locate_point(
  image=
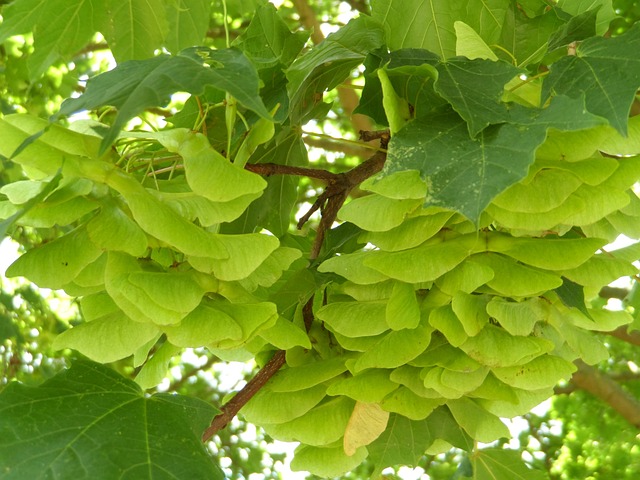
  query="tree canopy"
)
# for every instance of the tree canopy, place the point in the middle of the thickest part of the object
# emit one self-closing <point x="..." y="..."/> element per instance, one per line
<point x="403" y="213"/>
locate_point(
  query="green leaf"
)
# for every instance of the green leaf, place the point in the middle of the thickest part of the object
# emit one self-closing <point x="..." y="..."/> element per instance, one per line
<point x="402" y="443"/>
<point x="395" y="348"/>
<point x="604" y="8"/>
<point x="474" y="88"/>
<point x="106" y="339"/>
<point x="205" y="325"/>
<point x="469" y="44"/>
<point x="60" y="28"/>
<point x="267" y="40"/>
<point x="502" y="464"/>
<point x="246" y="254"/>
<point x="188" y="21"/>
<point x="134" y="29"/>
<point x="572" y="295"/>
<point x="267" y="407"/>
<point x="396" y="108"/>
<point x="402" y="31"/>
<point x="56" y="263"/>
<point x="402" y="309"/>
<point x="355" y="319"/>
<point x="368" y="386"/>
<point x="485" y="166"/>
<point x="495" y="347"/>
<point x="112" y="229"/>
<point x="424" y="263"/>
<point x="320" y="426"/>
<point x="326" y="461"/>
<point x="325" y="66"/>
<point x="136" y="85"/>
<point x="105" y="416"/>
<point x="155" y="369"/>
<point x="542" y="372"/>
<point x="476" y="421"/>
<point x="589" y="73"/>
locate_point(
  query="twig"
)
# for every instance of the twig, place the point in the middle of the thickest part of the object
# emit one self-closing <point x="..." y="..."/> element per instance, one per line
<point x="601" y="386"/>
<point x="233" y="406"/>
<point x="268" y="169"/>
<point x="194" y="371"/>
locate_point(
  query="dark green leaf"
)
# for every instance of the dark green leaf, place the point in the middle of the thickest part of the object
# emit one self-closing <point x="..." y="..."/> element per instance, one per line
<point x="526" y="38"/>
<point x="474" y="89"/>
<point x="412" y="75"/>
<point x="268" y="41"/>
<point x="88" y="422"/>
<point x="402" y="443"/>
<point x="606" y="71"/>
<point x="577" y="28"/>
<point x="330" y="63"/>
<point x="572" y="295"/>
<point x="134" y="29"/>
<point x="135" y="86"/>
<point x="61" y="28"/>
<point x="496" y="464"/>
<point x="188" y="23"/>
<point x="465" y="174"/>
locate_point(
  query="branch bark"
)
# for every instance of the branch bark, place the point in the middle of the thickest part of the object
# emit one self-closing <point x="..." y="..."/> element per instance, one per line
<point x="630" y="337"/>
<point x="591" y="380"/>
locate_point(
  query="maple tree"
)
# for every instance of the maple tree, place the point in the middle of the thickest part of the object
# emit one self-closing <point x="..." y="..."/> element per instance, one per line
<point x="454" y="274"/>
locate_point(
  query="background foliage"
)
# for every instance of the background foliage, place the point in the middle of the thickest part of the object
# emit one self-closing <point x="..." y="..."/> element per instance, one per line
<point x="162" y="162"/>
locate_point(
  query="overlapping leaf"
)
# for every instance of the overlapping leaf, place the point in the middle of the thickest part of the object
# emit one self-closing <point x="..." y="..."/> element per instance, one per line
<point x="606" y="71"/>
<point x="465" y="174"/>
<point x="136" y="85"/>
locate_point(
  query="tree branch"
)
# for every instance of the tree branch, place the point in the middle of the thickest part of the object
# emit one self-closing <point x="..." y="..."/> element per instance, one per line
<point x="233" y="406"/>
<point x="601" y="386"/>
<point x="630" y="337"/>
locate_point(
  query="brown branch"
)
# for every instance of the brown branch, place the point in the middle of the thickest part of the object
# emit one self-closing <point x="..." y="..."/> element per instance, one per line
<point x="591" y="380"/>
<point x="268" y="169"/>
<point x="233" y="406"/>
<point x="630" y="337"/>
<point x="613" y="292"/>
<point x="334" y="196"/>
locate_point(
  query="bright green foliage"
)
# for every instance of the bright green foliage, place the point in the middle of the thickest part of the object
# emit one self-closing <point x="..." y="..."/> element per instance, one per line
<point x="454" y="292"/>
